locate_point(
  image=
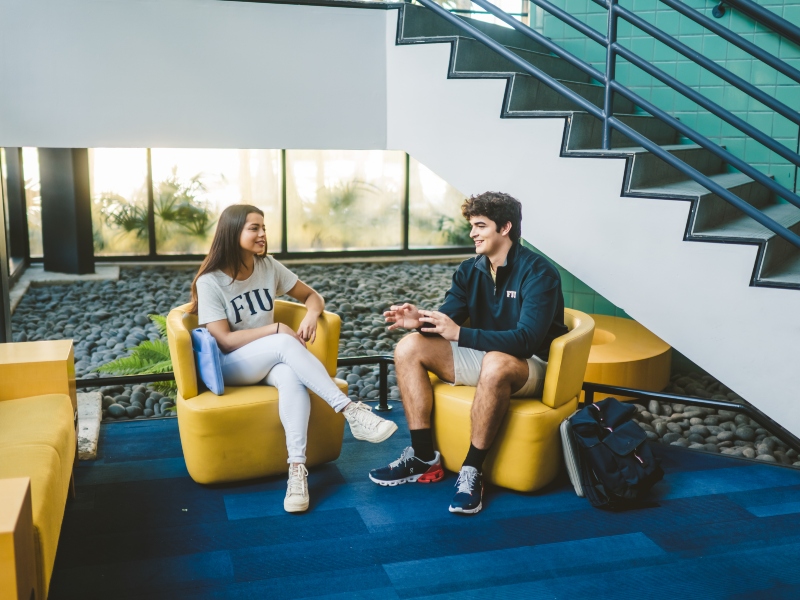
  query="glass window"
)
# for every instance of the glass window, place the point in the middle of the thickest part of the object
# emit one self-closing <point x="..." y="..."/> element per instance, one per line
<point x="118" y="184"/>
<point x="33" y="199"/>
<point x="191" y="187"/>
<point x="344" y="199"/>
<point x="434" y="210"/>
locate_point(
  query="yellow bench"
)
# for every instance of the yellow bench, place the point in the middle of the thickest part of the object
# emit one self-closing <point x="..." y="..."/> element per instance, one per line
<point x="37" y="441"/>
<point x="239" y="435"/>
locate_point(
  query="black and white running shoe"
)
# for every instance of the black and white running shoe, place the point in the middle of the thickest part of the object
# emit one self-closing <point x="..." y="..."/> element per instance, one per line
<point x="407" y="469"/>
<point x="469" y="493"/>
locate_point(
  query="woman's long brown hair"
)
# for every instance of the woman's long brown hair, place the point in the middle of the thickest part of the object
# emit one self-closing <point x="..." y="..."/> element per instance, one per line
<point x="226" y="253"/>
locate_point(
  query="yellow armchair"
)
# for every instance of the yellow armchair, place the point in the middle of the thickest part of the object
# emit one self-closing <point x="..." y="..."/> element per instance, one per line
<point x="526" y="454"/>
<point x="239" y="435"/>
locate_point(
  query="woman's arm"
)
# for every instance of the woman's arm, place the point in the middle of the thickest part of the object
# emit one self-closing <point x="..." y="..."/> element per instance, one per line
<point x="315" y="304"/>
<point x="228" y="340"/>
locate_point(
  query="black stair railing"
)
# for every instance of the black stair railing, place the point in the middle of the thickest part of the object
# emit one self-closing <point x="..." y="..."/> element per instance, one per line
<point x="762" y="15"/>
<point x="612" y="86"/>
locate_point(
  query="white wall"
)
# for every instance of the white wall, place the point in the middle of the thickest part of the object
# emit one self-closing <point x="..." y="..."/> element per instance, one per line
<point x="190" y="73"/>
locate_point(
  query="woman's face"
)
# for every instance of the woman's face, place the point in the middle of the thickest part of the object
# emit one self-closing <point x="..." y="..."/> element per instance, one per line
<point x="254" y="235"/>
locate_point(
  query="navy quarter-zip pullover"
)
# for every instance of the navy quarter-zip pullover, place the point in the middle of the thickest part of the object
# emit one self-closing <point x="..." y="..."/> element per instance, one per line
<point x="520" y="313"/>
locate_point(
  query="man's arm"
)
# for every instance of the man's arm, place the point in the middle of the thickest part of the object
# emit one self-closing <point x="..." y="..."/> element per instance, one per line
<point x="455" y="300"/>
<point x="539" y="303"/>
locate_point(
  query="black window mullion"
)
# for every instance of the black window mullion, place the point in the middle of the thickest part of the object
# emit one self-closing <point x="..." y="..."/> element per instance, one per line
<point x="151" y="214"/>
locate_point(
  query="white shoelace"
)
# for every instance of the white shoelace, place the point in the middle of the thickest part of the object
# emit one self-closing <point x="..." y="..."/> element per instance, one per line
<point x="297" y="480"/>
<point x="407" y="454"/>
<point x="363" y="415"/>
<point x="466" y="480"/>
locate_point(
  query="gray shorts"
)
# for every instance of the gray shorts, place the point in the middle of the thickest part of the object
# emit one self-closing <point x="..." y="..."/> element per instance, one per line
<point x="467" y="367"/>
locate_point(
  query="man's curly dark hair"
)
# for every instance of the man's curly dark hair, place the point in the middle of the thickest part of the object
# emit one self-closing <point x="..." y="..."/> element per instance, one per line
<point x="500" y="208"/>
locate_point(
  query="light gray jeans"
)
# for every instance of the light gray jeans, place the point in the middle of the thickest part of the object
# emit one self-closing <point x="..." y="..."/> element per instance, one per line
<point x="281" y="361"/>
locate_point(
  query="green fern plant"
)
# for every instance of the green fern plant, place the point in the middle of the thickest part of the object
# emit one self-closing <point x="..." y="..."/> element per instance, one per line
<point x="148" y="358"/>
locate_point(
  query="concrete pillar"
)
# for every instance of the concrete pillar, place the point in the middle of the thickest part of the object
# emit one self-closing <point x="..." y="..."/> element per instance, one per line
<point x="66" y="210"/>
<point x="17" y="216"/>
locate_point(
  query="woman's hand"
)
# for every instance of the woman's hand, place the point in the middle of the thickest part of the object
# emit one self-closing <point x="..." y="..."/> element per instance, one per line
<point x="285" y="329"/>
<point x="308" y="327"/>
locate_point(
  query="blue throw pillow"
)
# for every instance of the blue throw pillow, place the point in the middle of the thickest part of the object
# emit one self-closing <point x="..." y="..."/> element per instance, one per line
<point x="208" y="359"/>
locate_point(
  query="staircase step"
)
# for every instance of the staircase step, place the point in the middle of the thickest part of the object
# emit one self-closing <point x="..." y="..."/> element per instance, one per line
<point x="528" y="97"/>
<point x="471" y="56"/>
<point x="586" y="132"/>
<point x="711" y="211"/>
<point x="420" y="25"/>
<point x="745" y="228"/>
<point x="780" y="261"/>
<point x="648" y="171"/>
<point x="784" y="274"/>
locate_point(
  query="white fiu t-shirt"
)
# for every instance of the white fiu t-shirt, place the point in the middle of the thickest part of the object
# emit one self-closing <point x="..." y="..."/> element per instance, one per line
<point x="245" y="304"/>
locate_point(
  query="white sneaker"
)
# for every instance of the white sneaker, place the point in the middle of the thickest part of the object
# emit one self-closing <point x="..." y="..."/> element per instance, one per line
<point x="365" y="425"/>
<point x="296" y="490"/>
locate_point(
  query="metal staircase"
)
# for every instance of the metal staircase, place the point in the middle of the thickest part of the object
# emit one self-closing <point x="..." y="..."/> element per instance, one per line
<point x="727" y="205"/>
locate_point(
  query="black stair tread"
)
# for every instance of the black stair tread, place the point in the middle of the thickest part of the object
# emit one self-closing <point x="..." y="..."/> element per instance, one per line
<point x="536" y="58"/>
<point x="690" y="187"/>
<point x="421" y="24"/>
<point x="590" y="91"/>
<point x="585" y="134"/>
<point x="785" y="274"/>
<point x="746" y="228"/>
<point x="631" y="150"/>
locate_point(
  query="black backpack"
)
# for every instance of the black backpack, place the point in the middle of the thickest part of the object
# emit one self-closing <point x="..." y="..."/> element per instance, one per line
<point x="607" y="455"/>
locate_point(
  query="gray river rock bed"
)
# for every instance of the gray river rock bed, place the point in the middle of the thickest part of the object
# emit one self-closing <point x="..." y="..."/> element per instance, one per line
<point x="105" y="319"/>
<point x="717" y="431"/>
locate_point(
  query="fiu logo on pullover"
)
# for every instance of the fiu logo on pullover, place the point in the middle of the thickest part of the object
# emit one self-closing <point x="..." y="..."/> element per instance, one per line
<point x="246" y="297"/>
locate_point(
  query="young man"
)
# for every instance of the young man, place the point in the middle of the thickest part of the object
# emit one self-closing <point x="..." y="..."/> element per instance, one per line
<point x="512" y="298"/>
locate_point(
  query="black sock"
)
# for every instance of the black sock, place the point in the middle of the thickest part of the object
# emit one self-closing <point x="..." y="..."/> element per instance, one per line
<point x="475" y="457"/>
<point x="422" y="443"/>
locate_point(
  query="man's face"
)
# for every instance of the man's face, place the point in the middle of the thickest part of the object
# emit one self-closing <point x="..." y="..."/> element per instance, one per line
<point x="485" y="235"/>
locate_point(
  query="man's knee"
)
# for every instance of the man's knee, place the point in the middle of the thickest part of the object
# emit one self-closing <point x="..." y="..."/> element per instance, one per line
<point x="498" y="368"/>
<point x="410" y="348"/>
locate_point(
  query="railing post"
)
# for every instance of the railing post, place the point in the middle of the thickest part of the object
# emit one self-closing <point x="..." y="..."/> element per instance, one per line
<point x="383" y="405"/>
<point x="611" y="62"/>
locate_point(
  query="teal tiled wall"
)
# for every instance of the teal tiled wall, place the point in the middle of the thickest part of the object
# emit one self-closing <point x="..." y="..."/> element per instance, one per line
<point x="713" y="47"/>
<point x="580" y="296"/>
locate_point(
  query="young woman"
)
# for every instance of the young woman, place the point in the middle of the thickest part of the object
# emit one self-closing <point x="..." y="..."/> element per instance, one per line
<point x="233" y="295"/>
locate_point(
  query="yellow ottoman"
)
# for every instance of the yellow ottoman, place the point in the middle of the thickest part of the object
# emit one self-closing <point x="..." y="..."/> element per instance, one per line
<point x="239" y="435"/>
<point x="626" y="354"/>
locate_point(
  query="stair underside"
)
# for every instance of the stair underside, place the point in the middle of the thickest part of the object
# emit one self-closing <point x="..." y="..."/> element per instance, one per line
<point x="711" y="218"/>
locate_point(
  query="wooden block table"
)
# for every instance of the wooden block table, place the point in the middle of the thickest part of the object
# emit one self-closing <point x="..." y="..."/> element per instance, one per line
<point x="17" y="559"/>
<point x="36" y="368"/>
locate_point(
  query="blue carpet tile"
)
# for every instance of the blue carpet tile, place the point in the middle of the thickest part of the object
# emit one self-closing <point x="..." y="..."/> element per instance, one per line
<point x="141" y="528"/>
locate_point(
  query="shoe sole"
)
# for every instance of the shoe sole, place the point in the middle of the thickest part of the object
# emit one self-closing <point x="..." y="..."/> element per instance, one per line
<point x="467" y="511"/>
<point x="387" y="434"/>
<point x="394" y="482"/>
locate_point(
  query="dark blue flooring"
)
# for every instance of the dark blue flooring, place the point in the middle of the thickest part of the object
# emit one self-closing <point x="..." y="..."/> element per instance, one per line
<point x="141" y="528"/>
